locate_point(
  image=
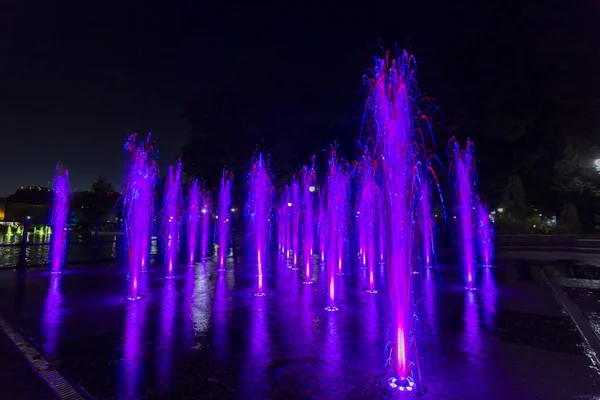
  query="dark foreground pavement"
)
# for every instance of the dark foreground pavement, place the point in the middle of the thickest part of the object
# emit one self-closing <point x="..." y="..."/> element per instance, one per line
<point x="204" y="335"/>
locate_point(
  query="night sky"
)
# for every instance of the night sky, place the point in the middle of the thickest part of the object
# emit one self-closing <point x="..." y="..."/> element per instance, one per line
<point x="75" y="79"/>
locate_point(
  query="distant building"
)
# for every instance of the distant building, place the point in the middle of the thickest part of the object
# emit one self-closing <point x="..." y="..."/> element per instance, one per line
<point x="2" y="208"/>
<point x="31" y="202"/>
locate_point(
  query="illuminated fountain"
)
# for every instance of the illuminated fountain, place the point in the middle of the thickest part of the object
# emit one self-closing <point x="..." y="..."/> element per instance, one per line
<point x="464" y="172"/>
<point x="206" y="214"/>
<point x="258" y="216"/>
<point x="365" y="217"/>
<point x="392" y="106"/>
<point x="322" y="226"/>
<point x="308" y="227"/>
<point x="296" y="210"/>
<point x="193" y="219"/>
<point x="337" y="207"/>
<point x="485" y="235"/>
<point x="172" y="217"/>
<point x="138" y="207"/>
<point x="381" y="226"/>
<point x="60" y="213"/>
<point x="223" y="216"/>
<point x="426" y="218"/>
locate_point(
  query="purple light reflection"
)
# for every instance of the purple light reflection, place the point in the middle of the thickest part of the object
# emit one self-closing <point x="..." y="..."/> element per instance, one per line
<point x="168" y="303"/>
<point x="134" y="361"/>
<point x="53" y="315"/>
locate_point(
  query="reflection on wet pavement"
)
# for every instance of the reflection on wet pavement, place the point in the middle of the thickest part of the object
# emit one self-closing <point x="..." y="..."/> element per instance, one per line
<point x="205" y="335"/>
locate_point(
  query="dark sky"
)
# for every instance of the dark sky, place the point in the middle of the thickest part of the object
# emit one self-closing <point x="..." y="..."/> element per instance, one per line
<point x="76" y="78"/>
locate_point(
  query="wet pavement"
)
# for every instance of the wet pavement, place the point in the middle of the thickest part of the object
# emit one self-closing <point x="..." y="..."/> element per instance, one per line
<point x="204" y="335"/>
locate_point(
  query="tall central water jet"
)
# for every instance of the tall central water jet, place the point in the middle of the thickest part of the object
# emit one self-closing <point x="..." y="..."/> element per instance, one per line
<point x="138" y="207"/>
<point x="464" y="171"/>
<point x="308" y="228"/>
<point x="223" y="217"/>
<point x="172" y="217"/>
<point x="258" y="215"/>
<point x="392" y="105"/>
<point x="193" y="219"/>
<point x="60" y="213"/>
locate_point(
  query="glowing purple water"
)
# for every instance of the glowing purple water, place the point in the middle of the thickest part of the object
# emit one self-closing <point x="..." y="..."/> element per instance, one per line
<point x="138" y="207"/>
<point x="308" y="227"/>
<point x="172" y="216"/>
<point x="464" y="170"/>
<point x="223" y="216"/>
<point x="485" y="235"/>
<point x="337" y="208"/>
<point x="60" y="213"/>
<point x="193" y="219"/>
<point x="395" y="136"/>
<point x="206" y="215"/>
<point x="322" y="226"/>
<point x="258" y="215"/>
<point x="426" y="218"/>
<point x="366" y="217"/>
<point x="296" y="210"/>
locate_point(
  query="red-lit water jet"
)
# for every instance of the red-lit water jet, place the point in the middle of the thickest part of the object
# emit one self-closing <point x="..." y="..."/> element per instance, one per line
<point x="60" y="213"/>
<point x="138" y="207"/>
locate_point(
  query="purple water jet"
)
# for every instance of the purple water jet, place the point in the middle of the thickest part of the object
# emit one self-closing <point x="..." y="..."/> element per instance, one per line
<point x="296" y="211"/>
<point x="426" y="218"/>
<point x="337" y="207"/>
<point x="308" y="227"/>
<point x="60" y="213"/>
<point x="223" y="217"/>
<point x="322" y="226"/>
<point x="464" y="172"/>
<point x="366" y="217"/>
<point x="392" y="105"/>
<point x="172" y="216"/>
<point x="485" y="235"/>
<point x="206" y="215"/>
<point x="193" y="219"/>
<point x="258" y="216"/>
<point x="138" y="207"/>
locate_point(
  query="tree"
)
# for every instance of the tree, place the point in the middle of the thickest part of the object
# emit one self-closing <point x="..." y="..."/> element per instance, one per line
<point x="102" y="186"/>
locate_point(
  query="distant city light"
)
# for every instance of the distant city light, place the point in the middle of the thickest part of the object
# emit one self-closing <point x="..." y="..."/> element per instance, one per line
<point x="311" y="189"/>
<point x="233" y="209"/>
<point x="500" y="210"/>
<point x="204" y="211"/>
<point x="289" y="204"/>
